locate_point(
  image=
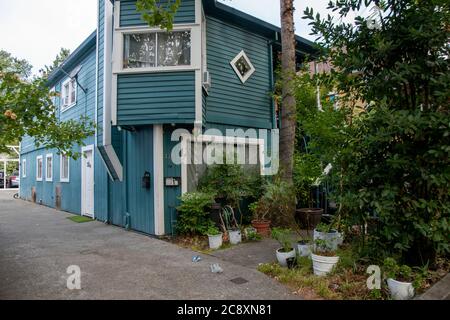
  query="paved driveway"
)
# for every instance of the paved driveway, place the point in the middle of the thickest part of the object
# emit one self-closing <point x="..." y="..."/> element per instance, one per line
<point x="37" y="244"/>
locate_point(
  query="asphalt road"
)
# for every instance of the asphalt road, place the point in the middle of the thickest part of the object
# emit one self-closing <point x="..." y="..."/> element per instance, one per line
<point x="38" y="244"/>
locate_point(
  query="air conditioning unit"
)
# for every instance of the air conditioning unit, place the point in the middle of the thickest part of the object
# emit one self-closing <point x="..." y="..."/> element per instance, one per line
<point x="206" y="80"/>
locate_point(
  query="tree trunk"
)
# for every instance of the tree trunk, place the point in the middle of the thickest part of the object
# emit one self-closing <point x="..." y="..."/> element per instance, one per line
<point x="288" y="105"/>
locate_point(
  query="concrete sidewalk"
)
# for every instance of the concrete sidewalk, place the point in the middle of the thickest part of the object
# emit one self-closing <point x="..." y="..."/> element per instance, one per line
<point x="38" y="244"/>
<point x="440" y="291"/>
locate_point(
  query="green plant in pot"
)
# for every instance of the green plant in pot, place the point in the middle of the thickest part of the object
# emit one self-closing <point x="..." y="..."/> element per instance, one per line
<point x="284" y="237"/>
<point x="401" y="280"/>
<point x="215" y="237"/>
<point x="324" y="257"/>
<point x="304" y="247"/>
<point x="326" y="233"/>
<point x="307" y="171"/>
<point x="260" y="221"/>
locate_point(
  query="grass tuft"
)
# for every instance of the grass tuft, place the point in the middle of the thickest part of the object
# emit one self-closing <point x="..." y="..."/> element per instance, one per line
<point x="80" y="219"/>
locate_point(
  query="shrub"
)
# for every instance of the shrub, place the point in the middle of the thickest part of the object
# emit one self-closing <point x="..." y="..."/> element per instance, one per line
<point x="193" y="213"/>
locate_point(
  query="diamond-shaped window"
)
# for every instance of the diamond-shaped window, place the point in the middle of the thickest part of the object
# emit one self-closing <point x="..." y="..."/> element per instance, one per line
<point x="242" y="66"/>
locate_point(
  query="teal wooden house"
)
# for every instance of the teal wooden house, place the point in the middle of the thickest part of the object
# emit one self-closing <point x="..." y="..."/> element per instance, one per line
<point x="213" y="72"/>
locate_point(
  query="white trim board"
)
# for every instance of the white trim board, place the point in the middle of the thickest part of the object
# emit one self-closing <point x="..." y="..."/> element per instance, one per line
<point x="158" y="176"/>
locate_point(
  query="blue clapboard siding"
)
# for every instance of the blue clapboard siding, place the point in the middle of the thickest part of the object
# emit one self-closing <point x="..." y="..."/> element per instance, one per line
<point x="130" y="17"/>
<point x="85" y="106"/>
<point x="229" y="101"/>
<point x="128" y="197"/>
<point x="156" y="98"/>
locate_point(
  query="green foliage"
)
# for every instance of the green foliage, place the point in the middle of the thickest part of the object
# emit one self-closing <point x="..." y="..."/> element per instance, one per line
<point x="284" y="237"/>
<point x="26" y="108"/>
<point x="230" y="183"/>
<point x="193" y="213"/>
<point x="156" y="14"/>
<point x="212" y="231"/>
<point x="402" y="273"/>
<point x="307" y="170"/>
<point x="276" y="203"/>
<point x="59" y="59"/>
<point x="394" y="159"/>
<point x="10" y="64"/>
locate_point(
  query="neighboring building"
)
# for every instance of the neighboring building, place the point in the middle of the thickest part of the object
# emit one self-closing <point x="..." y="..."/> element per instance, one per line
<point x="214" y="71"/>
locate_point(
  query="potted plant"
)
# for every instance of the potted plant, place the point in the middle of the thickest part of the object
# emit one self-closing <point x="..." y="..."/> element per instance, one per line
<point x="324" y="258"/>
<point x="283" y="236"/>
<point x="307" y="173"/>
<point x="304" y="247"/>
<point x="260" y="222"/>
<point x="230" y="224"/>
<point x="401" y="280"/>
<point x="328" y="234"/>
<point x="214" y="237"/>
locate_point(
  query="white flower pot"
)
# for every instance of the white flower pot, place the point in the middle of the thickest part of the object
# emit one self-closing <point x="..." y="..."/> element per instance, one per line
<point x="400" y="290"/>
<point x="323" y="265"/>
<point x="283" y="256"/>
<point x="235" y="236"/>
<point x="332" y="239"/>
<point x="215" y="242"/>
<point x="304" y="250"/>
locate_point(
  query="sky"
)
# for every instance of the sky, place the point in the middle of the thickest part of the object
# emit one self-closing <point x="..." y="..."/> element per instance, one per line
<point x="37" y="30"/>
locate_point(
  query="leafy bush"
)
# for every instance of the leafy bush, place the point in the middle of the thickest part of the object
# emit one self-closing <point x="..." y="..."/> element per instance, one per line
<point x="230" y="183"/>
<point x="394" y="163"/>
<point x="276" y="202"/>
<point x="193" y="213"/>
<point x="212" y="231"/>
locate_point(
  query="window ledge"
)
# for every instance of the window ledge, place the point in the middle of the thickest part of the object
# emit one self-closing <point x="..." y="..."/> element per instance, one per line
<point x="68" y="107"/>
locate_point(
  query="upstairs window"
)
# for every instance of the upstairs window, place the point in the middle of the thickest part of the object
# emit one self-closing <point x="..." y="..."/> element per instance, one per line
<point x="243" y="66"/>
<point x="157" y="49"/>
<point x="69" y="94"/>
<point x="39" y="168"/>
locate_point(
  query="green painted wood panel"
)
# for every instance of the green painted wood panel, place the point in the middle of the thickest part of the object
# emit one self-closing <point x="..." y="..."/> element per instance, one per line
<point x="130" y="17"/>
<point x="128" y="197"/>
<point x="156" y="98"/>
<point x="229" y="100"/>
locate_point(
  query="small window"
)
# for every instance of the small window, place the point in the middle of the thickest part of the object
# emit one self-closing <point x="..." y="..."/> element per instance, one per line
<point x="39" y="168"/>
<point x="24" y="168"/>
<point x="49" y="167"/>
<point x="64" y="168"/>
<point x="243" y="66"/>
<point x="162" y="49"/>
<point x="69" y="94"/>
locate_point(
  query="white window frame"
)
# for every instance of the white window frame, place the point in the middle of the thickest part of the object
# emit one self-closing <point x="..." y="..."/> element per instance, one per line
<point x="119" y="50"/>
<point x="252" y="68"/>
<point x="61" y="171"/>
<point x="47" y="177"/>
<point x="39" y="158"/>
<point x="24" y="168"/>
<point x="66" y="106"/>
<point x="186" y="139"/>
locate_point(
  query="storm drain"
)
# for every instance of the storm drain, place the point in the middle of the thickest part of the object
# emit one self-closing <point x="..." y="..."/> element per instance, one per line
<point x="239" y="281"/>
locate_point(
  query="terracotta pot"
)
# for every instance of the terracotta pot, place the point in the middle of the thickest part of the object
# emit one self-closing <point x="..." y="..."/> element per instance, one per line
<point x="309" y="218"/>
<point x="262" y="227"/>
